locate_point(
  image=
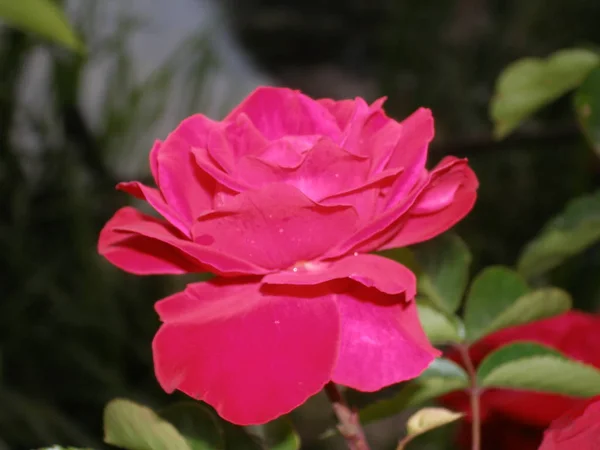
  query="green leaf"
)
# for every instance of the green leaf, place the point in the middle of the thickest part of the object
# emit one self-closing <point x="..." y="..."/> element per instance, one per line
<point x="425" y="420"/>
<point x="404" y="256"/>
<point x="531" y="83"/>
<point x="42" y="17"/>
<point x="534" y="367"/>
<point x="537" y="305"/>
<point x="444" y="270"/>
<point x="197" y="424"/>
<point x="239" y="438"/>
<point x="439" y="327"/>
<point x="441" y="377"/>
<point x="136" y="427"/>
<point x="587" y="108"/>
<point x="572" y="231"/>
<point x="280" y="435"/>
<point x="492" y="292"/>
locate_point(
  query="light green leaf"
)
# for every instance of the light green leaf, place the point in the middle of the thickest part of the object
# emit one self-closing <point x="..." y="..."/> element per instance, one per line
<point x="536" y="305"/>
<point x="136" y="427"/>
<point x="531" y="83"/>
<point x="492" y="292"/>
<point x="439" y="327"/>
<point x="425" y="420"/>
<point x="197" y="424"/>
<point x="442" y="377"/>
<point x="572" y="231"/>
<point x="42" y="17"/>
<point x="587" y="108"/>
<point x="533" y="367"/>
<point x="444" y="270"/>
<point x="280" y="434"/>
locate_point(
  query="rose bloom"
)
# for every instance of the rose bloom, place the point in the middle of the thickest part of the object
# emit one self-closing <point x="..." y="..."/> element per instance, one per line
<point x="578" y="429"/>
<point x="515" y="420"/>
<point x="282" y="200"/>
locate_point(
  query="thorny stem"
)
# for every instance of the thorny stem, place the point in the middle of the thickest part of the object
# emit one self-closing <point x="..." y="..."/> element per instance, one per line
<point x="349" y="424"/>
<point x="474" y="397"/>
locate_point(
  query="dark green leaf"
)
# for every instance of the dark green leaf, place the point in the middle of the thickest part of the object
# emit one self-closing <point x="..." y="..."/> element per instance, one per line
<point x="444" y="270"/>
<point x="569" y="233"/>
<point x="441" y="377"/>
<point x="439" y="327"/>
<point x="42" y="17"/>
<point x="531" y="83"/>
<point x="197" y="424"/>
<point x="280" y="434"/>
<point x="587" y="107"/>
<point x="239" y="438"/>
<point x="492" y="292"/>
<point x="534" y="367"/>
<point x="136" y="427"/>
<point x="404" y="256"/>
<point x="537" y="305"/>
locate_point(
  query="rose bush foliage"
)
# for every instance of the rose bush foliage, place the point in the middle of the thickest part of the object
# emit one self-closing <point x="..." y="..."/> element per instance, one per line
<point x="283" y="200"/>
<point x="517" y="419"/>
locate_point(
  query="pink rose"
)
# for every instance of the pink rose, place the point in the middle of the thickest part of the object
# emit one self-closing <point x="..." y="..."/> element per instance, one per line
<point x="573" y="333"/>
<point x="578" y="429"/>
<point x="283" y="199"/>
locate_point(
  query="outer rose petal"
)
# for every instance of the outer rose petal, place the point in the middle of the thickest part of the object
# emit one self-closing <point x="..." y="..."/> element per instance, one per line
<point x="143" y="245"/>
<point x="375" y="271"/>
<point x="382" y="342"/>
<point x="275" y="227"/>
<point x="447" y="199"/>
<point x="186" y="188"/>
<point x="278" y="112"/>
<point x="578" y="429"/>
<point x="252" y="355"/>
<point x="154" y="160"/>
<point x="157" y="201"/>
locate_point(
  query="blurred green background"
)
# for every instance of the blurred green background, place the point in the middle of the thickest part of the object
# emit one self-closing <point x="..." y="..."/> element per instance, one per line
<point x="75" y="331"/>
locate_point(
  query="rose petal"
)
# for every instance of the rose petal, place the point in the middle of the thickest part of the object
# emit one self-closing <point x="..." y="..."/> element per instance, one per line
<point x="342" y="110"/>
<point x="447" y="199"/>
<point x="367" y="199"/>
<point x="143" y="245"/>
<point x="233" y="140"/>
<point x="207" y="164"/>
<point x="578" y="428"/>
<point x="278" y="112"/>
<point x="382" y="342"/>
<point x="275" y="227"/>
<point x="326" y="169"/>
<point x="154" y="160"/>
<point x="252" y="355"/>
<point x="380" y="230"/>
<point x="375" y="271"/>
<point x="138" y="254"/>
<point x="186" y="188"/>
<point x="157" y="201"/>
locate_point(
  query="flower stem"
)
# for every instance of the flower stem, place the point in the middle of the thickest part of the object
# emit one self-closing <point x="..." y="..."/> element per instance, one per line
<point x="349" y="424"/>
<point x="474" y="392"/>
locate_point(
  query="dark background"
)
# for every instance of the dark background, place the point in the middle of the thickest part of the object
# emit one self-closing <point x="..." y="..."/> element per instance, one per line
<point x="75" y="332"/>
